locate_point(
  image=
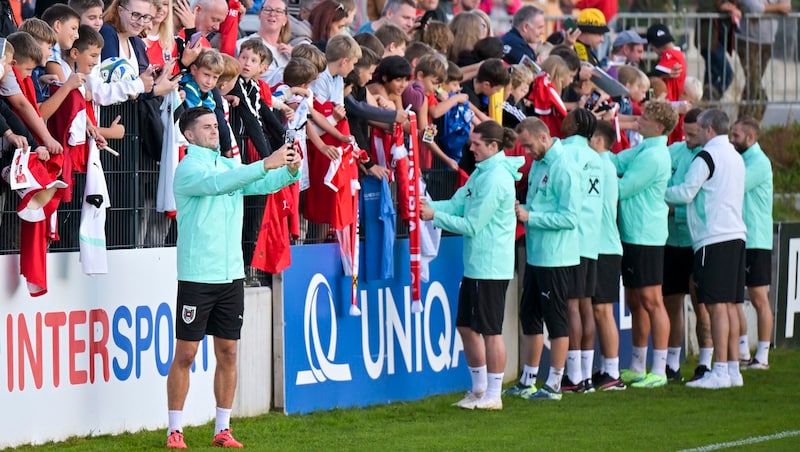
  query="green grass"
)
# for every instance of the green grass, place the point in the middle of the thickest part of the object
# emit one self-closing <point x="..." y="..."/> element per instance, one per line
<point x="670" y="418"/>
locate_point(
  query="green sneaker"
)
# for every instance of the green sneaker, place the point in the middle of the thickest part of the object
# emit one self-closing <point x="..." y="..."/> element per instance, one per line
<point x="545" y="393"/>
<point x="628" y="376"/>
<point x="650" y="381"/>
<point x="518" y="389"/>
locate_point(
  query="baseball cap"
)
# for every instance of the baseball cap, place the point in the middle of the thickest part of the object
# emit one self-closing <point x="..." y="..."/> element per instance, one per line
<point x="592" y="20"/>
<point x="628" y="37"/>
<point x="658" y="35"/>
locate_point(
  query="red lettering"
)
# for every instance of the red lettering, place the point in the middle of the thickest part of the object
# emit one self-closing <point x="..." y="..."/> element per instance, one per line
<point x="56" y="320"/>
<point x="76" y="377"/>
<point x="98" y="319"/>
<point x="26" y="348"/>
<point x="10" y="355"/>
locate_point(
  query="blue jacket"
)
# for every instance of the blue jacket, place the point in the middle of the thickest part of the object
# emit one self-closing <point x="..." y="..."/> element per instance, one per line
<point x="757" y="211"/>
<point x="208" y="193"/>
<point x="483" y="212"/>
<point x="515" y="47"/>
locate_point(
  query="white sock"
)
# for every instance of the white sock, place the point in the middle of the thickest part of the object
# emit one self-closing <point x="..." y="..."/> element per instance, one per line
<point x="611" y="366"/>
<point x="705" y="357"/>
<point x="733" y="368"/>
<point x="638" y="359"/>
<point x="744" y="348"/>
<point x="554" y="378"/>
<point x="175" y="421"/>
<point x="528" y="375"/>
<point x="494" y="385"/>
<point x="587" y="362"/>
<point x="223" y="421"/>
<point x="721" y="369"/>
<point x="762" y="352"/>
<point x="659" y="366"/>
<point x="574" y="371"/>
<point x="674" y="358"/>
<point x="479" y="381"/>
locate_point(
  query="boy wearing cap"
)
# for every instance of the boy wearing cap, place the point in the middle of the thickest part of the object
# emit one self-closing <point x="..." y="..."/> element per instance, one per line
<point x="670" y="58"/>
<point x="592" y="25"/>
<point x="628" y="49"/>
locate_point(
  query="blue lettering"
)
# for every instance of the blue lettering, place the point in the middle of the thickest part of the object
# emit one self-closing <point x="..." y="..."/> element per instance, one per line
<point x="122" y="314"/>
<point x="163" y="312"/>
<point x="143" y="315"/>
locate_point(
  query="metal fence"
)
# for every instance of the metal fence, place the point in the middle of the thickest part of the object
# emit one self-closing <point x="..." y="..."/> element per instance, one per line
<point x="132" y="178"/>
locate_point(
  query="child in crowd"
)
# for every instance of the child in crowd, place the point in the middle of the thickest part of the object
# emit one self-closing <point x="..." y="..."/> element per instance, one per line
<point x="393" y="38"/>
<point x="437" y="35"/>
<point x="513" y="107"/>
<point x="313" y="54"/>
<point x="430" y="71"/>
<point x="90" y="12"/>
<point x="332" y="141"/>
<point x="255" y="117"/>
<point x="630" y="108"/>
<point x="14" y="133"/>
<point x="200" y="87"/>
<point x="65" y="22"/>
<point x="226" y="82"/>
<point x="19" y="91"/>
<point x="46" y="38"/>
<point x="546" y="93"/>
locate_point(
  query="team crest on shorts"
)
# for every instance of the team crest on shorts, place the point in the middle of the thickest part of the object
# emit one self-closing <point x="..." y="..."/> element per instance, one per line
<point x="189" y="313"/>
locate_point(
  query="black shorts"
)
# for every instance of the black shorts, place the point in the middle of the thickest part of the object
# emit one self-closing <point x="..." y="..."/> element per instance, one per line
<point x="481" y="305"/>
<point x="544" y="299"/>
<point x="213" y="309"/>
<point x="642" y="265"/>
<point x="607" y="287"/>
<point x="677" y="270"/>
<point x="758" y="268"/>
<point x="582" y="279"/>
<point x="719" y="272"/>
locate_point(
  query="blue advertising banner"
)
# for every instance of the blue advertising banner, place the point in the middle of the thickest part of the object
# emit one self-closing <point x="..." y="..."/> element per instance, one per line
<point x="334" y="360"/>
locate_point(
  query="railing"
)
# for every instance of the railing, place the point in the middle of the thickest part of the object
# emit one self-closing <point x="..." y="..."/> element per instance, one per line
<point x="132" y="178"/>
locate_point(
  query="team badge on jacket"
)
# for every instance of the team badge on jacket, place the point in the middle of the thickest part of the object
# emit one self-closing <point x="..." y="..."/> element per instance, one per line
<point x="188" y="314"/>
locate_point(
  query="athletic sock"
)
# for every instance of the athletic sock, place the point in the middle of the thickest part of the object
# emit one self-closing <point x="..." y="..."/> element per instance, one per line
<point x="733" y="368"/>
<point x="574" y="366"/>
<point x="223" y="420"/>
<point x="528" y="375"/>
<point x="494" y="385"/>
<point x="587" y="362"/>
<point x="611" y="366"/>
<point x="762" y="352"/>
<point x="744" y="348"/>
<point x="554" y="378"/>
<point x="479" y="381"/>
<point x="659" y="363"/>
<point x="705" y="357"/>
<point x="638" y="359"/>
<point x="674" y="358"/>
<point x="721" y="369"/>
<point x="175" y="421"/>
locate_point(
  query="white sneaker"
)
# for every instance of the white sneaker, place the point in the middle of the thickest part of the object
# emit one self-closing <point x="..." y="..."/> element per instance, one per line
<point x="487" y="403"/>
<point x="737" y="381"/>
<point x="469" y="400"/>
<point x="711" y="381"/>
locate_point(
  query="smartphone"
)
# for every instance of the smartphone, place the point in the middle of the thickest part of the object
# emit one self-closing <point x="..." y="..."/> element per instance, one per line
<point x="2" y="47"/>
<point x="195" y="37"/>
<point x="650" y="95"/>
<point x="179" y="75"/>
<point x="569" y="24"/>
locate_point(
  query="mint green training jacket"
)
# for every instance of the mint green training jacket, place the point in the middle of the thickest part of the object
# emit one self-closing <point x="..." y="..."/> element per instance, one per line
<point x="609" y="234"/>
<point x="554" y="207"/>
<point x="678" y="229"/>
<point x="483" y="212"/>
<point x="209" y="192"/>
<point x="757" y="210"/>
<point x="644" y="171"/>
<point x="591" y="172"/>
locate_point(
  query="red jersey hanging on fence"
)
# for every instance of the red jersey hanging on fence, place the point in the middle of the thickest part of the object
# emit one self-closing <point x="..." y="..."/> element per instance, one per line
<point x="68" y="127"/>
<point x="389" y="151"/>
<point x="280" y="221"/>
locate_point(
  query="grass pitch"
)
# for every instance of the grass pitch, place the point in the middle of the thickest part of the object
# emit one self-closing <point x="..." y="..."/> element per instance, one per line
<point x="664" y="419"/>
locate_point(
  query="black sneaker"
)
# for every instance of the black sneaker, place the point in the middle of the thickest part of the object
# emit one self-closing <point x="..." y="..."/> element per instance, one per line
<point x="674" y="376"/>
<point x="568" y="386"/>
<point x="587" y="385"/>
<point x="606" y="382"/>
<point x="699" y="372"/>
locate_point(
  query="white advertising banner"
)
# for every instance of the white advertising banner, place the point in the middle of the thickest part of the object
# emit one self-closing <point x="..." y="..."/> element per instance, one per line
<point x="91" y="356"/>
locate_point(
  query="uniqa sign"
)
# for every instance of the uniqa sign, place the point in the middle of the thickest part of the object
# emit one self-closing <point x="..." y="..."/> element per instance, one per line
<point x="386" y="354"/>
